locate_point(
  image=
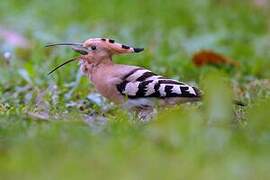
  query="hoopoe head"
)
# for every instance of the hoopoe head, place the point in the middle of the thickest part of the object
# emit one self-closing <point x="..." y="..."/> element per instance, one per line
<point x="98" y="50"/>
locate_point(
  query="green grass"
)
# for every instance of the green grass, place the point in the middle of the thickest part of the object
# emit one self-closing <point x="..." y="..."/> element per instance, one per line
<point x="210" y="140"/>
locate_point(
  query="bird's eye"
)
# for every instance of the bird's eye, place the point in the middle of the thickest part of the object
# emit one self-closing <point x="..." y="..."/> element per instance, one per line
<point x="93" y="47"/>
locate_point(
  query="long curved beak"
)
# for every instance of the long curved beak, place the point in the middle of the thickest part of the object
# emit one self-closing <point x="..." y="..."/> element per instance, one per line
<point x="78" y="47"/>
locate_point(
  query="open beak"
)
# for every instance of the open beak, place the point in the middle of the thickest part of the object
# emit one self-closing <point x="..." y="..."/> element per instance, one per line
<point x="78" y="47"/>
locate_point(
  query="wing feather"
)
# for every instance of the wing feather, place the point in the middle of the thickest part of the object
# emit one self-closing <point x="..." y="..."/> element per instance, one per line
<point x="143" y="83"/>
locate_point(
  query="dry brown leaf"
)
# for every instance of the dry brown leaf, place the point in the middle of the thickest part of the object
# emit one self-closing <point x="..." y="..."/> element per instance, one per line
<point x="205" y="57"/>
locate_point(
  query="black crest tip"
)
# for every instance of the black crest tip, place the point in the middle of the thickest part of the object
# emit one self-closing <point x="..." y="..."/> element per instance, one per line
<point x="137" y="50"/>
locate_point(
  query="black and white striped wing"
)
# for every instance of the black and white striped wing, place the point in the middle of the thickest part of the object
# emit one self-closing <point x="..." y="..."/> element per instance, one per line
<point x="144" y="83"/>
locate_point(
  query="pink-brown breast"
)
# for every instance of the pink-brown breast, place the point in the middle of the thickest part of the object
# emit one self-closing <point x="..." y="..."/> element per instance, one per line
<point x="105" y="77"/>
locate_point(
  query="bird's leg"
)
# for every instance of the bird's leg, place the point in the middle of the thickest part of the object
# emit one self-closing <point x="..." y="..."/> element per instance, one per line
<point x="145" y="114"/>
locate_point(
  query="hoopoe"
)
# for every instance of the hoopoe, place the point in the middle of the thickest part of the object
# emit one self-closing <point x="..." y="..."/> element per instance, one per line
<point x="132" y="87"/>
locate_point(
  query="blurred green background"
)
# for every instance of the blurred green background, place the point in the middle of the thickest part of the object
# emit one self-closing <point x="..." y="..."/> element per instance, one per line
<point x="58" y="127"/>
